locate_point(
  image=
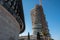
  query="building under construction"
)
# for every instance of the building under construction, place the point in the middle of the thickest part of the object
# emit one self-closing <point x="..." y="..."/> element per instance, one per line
<point x="39" y="24"/>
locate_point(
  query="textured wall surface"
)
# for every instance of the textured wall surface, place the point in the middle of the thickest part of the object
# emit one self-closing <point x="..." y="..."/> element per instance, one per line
<point x="9" y="27"/>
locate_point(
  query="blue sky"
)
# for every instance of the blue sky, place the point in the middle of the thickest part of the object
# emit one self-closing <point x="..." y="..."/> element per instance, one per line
<point x="51" y="9"/>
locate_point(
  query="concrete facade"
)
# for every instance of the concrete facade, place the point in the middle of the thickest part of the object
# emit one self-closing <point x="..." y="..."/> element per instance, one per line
<point x="15" y="7"/>
<point x="9" y="27"/>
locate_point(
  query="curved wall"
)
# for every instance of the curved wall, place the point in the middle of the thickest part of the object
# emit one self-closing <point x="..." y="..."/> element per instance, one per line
<point x="9" y="27"/>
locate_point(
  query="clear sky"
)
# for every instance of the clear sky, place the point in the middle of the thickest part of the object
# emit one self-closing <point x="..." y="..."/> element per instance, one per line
<point x="51" y="10"/>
